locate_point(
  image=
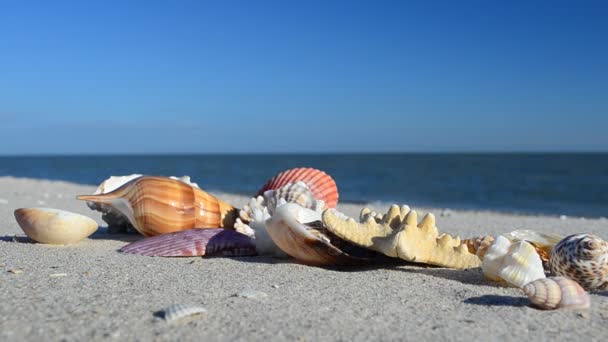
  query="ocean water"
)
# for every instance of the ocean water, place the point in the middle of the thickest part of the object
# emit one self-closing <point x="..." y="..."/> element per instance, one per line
<point x="556" y="184"/>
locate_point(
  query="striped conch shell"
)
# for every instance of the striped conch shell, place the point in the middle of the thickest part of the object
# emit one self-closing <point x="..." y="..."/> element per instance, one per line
<point x="160" y="205"/>
<point x="117" y="222"/>
<point x="399" y="234"/>
<point x="582" y="258"/>
<point x="322" y="186"/>
<point x="515" y="264"/>
<point x="557" y="293"/>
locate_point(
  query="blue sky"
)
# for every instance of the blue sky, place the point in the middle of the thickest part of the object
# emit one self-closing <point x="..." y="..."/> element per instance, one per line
<point x="307" y="76"/>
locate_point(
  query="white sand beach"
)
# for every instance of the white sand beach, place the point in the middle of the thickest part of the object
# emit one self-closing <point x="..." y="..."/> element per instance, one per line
<point x="90" y="291"/>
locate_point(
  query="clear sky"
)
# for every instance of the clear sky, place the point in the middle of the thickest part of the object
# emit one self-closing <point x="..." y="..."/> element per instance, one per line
<point x="302" y="76"/>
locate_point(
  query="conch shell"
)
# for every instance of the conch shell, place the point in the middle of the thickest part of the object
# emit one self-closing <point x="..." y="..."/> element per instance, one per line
<point x="514" y="263"/>
<point x="299" y="232"/>
<point x="398" y="234"/>
<point x="160" y="205"/>
<point x="582" y="258"/>
<point x="557" y="293"/>
<point x="117" y="222"/>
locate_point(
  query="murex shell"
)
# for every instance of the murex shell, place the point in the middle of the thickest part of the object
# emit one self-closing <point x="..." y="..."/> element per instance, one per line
<point x="320" y="183"/>
<point x="557" y="293"/>
<point x="54" y="226"/>
<point x="160" y="205"/>
<point x="582" y="258"/>
<point x="514" y="263"/>
<point x="115" y="219"/>
<point x="399" y="234"/>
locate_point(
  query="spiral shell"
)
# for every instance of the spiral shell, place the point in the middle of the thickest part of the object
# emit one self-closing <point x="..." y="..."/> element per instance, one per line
<point x="298" y="193"/>
<point x="557" y="293"/>
<point x="160" y="205"/>
<point x="582" y="258"/>
<point x="320" y="183"/>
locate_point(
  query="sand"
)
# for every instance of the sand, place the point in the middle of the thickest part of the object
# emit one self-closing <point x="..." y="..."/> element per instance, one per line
<point x="89" y="291"/>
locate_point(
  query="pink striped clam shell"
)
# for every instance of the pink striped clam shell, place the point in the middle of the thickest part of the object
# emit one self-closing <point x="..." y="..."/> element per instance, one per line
<point x="322" y="186"/>
<point x="194" y="242"/>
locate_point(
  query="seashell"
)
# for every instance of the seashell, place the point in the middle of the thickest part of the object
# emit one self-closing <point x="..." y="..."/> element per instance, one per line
<point x="297" y="231"/>
<point x="542" y="242"/>
<point x="514" y="263"/>
<point x="117" y="222"/>
<point x="177" y="312"/>
<point x="582" y="258"/>
<point x="297" y="193"/>
<point x="160" y="205"/>
<point x="194" y="242"/>
<point x="321" y="184"/>
<point x="54" y="226"/>
<point x="479" y="245"/>
<point x="557" y="293"/>
<point x="398" y="234"/>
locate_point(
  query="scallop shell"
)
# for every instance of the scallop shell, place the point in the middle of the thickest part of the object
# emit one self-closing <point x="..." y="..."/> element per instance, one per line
<point x="321" y="184"/>
<point x="399" y="234"/>
<point x="160" y="205"/>
<point x="194" y="242"/>
<point x="177" y="312"/>
<point x="582" y="258"/>
<point x="514" y="263"/>
<point x="54" y="226"/>
<point x="557" y="293"/>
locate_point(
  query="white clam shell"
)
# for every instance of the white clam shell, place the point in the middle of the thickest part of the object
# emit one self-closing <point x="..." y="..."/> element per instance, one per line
<point x="177" y="312"/>
<point x="557" y="293"/>
<point x="514" y="263"/>
<point x="54" y="226"/>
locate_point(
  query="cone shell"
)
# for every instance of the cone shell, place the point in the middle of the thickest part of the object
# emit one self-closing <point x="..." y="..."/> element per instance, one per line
<point x="160" y="205"/>
<point x="321" y="184"/>
<point x="582" y="258"/>
<point x="54" y="226"/>
<point x="513" y="263"/>
<point x="557" y="293"/>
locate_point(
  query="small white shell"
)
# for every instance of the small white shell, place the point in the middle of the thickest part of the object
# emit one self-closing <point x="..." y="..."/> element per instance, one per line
<point x="515" y="263"/>
<point x="54" y="226"/>
<point x="557" y="293"/>
<point x="583" y="258"/>
<point x="298" y="193"/>
<point x="178" y="311"/>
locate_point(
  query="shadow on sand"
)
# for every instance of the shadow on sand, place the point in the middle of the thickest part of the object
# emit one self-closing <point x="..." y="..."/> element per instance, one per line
<point x="494" y="300"/>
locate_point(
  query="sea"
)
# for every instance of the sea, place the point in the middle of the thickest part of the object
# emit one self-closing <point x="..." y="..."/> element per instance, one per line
<point x="574" y="184"/>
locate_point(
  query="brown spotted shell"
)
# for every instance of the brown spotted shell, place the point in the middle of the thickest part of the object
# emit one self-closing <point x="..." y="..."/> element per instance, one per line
<point x="582" y="258"/>
<point x="322" y="186"/>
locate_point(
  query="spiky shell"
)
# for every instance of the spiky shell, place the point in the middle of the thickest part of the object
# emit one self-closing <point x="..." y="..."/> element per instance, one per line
<point x="194" y="242"/>
<point x="320" y="183"/>
<point x="557" y="293"/>
<point x="53" y="226"/>
<point x="160" y="205"/>
<point x="398" y="234"/>
<point x="514" y="263"/>
<point x="582" y="258"/>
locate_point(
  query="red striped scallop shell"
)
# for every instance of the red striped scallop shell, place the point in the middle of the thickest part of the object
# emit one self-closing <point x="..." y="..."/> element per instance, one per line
<point x="321" y="184"/>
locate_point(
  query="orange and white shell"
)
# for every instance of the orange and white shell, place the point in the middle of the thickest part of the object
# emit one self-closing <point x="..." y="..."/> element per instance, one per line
<point x="160" y="205"/>
<point x="320" y="183"/>
<point x="557" y="293"/>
